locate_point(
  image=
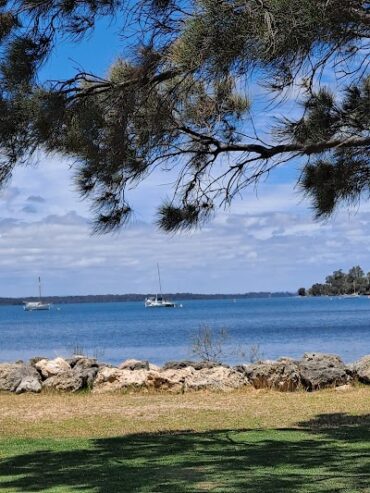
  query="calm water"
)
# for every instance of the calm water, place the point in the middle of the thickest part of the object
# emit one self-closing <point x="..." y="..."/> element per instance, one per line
<point x="116" y="331"/>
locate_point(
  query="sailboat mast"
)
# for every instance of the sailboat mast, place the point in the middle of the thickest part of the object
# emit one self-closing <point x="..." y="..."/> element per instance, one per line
<point x="159" y="279"/>
<point x="40" y="288"/>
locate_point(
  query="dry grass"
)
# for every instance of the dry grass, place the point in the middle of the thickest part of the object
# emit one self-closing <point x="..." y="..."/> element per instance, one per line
<point x="94" y="415"/>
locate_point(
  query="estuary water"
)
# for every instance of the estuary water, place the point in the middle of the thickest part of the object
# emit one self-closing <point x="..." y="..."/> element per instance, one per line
<point x="117" y="331"/>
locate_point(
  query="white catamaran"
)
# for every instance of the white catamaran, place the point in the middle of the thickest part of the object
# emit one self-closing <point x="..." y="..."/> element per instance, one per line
<point x="158" y="301"/>
<point x="30" y="306"/>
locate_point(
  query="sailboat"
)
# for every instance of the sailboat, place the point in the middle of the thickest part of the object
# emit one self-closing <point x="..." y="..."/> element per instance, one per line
<point x="158" y="301"/>
<point x="36" y="305"/>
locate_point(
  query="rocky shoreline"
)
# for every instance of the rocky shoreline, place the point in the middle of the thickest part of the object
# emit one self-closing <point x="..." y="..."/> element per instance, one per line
<point x="313" y="371"/>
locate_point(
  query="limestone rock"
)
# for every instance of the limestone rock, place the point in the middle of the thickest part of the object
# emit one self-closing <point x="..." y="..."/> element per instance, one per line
<point x="73" y="359"/>
<point x="36" y="359"/>
<point x="10" y="376"/>
<point x="318" y="371"/>
<point x="351" y="369"/>
<point x="203" y="365"/>
<point x="89" y="376"/>
<point x="197" y="365"/>
<point x="362" y="369"/>
<point x="111" y="379"/>
<point x="178" y="365"/>
<point x="170" y="380"/>
<point x="344" y="388"/>
<point x="214" y="379"/>
<point x="286" y="359"/>
<point x="330" y="359"/>
<point x="67" y="381"/>
<point x="134" y="364"/>
<point x="30" y="383"/>
<point x="279" y="375"/>
<point x="19" y="378"/>
<point x="84" y="364"/>
<point x="49" y="368"/>
<point x="71" y="380"/>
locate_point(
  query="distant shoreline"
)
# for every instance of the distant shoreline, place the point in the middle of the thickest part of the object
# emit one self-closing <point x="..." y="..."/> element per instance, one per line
<point x="111" y="298"/>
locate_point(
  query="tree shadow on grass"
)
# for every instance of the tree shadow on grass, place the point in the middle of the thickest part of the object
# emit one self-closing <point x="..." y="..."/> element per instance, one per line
<point x="320" y="457"/>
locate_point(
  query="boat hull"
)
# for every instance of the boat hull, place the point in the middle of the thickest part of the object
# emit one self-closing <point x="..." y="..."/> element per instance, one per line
<point x="31" y="307"/>
<point x="158" y="302"/>
<point x="164" y="305"/>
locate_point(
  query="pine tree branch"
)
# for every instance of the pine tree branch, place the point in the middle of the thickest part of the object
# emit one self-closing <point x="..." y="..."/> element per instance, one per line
<point x="266" y="152"/>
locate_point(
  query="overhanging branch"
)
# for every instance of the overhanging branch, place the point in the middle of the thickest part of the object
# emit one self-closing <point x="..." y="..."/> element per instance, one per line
<point x="266" y="152"/>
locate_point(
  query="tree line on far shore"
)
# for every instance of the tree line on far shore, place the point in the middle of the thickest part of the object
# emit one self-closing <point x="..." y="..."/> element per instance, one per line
<point x="109" y="298"/>
<point x="354" y="282"/>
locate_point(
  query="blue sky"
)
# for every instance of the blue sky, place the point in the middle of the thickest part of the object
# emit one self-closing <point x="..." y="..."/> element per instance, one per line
<point x="266" y="242"/>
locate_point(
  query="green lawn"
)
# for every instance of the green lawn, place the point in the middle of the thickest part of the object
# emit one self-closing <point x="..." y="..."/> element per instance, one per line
<point x="329" y="452"/>
<point x="230" y="461"/>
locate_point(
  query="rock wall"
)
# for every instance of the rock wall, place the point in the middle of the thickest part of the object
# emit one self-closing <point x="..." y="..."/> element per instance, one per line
<point x="313" y="371"/>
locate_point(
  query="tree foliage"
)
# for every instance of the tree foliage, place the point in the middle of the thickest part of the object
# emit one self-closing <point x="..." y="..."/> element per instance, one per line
<point x="340" y="283"/>
<point x="178" y="99"/>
